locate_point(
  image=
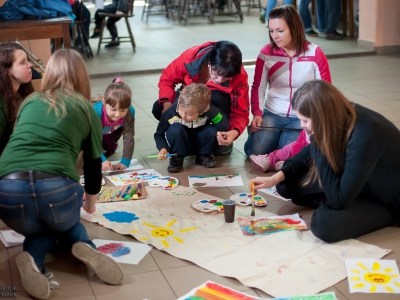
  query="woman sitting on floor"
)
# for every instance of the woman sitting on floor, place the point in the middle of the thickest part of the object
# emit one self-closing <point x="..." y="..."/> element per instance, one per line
<point x="350" y="172"/>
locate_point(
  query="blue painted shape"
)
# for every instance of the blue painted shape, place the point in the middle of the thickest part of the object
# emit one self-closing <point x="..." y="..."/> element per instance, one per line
<point x="204" y="201"/>
<point x="121" y="251"/>
<point x="120" y="217"/>
<point x="243" y="195"/>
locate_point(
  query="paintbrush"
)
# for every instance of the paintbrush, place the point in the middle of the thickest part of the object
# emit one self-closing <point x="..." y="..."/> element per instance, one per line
<point x="253" y="211"/>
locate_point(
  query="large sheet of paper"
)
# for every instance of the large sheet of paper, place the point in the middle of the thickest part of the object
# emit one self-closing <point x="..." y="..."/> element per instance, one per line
<point x="283" y="264"/>
<point x="197" y="181"/>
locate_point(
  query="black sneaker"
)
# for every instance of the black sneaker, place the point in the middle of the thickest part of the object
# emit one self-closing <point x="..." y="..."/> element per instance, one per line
<point x="112" y="44"/>
<point x="207" y="161"/>
<point x="96" y="33"/>
<point x="335" y="36"/>
<point x="311" y="32"/>
<point x="223" y="150"/>
<point x="175" y="164"/>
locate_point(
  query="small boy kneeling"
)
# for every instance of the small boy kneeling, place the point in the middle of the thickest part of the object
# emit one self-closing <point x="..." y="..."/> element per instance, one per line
<point x="190" y="127"/>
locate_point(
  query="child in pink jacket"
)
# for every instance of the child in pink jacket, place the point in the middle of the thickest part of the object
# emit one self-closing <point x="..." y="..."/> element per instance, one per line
<point x="276" y="159"/>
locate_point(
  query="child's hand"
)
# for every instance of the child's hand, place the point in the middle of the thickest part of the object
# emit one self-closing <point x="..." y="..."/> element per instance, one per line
<point x="89" y="210"/>
<point x="106" y="166"/>
<point x="162" y="154"/>
<point x="119" y="166"/>
<point x="256" y="123"/>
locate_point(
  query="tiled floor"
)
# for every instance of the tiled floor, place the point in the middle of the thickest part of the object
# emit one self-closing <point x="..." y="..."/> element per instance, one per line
<point x="372" y="81"/>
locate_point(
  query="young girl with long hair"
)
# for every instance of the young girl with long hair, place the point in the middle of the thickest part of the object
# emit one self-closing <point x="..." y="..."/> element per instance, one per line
<point x="15" y="78"/>
<point x="350" y="171"/>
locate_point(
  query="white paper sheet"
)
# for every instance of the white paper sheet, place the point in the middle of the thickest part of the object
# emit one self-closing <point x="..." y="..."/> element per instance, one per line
<point x="373" y="276"/>
<point x="133" y="177"/>
<point x="272" y="191"/>
<point x="10" y="238"/>
<point x="134" y="165"/>
<point x="122" y="251"/>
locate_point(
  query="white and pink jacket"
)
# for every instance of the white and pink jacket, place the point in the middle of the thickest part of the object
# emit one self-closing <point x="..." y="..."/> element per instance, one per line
<point x="284" y="75"/>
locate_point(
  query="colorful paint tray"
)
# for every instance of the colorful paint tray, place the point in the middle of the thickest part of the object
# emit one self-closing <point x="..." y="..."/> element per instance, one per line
<point x="207" y="205"/>
<point x="245" y="199"/>
<point x="82" y="181"/>
<point x="106" y="190"/>
<point x="166" y="182"/>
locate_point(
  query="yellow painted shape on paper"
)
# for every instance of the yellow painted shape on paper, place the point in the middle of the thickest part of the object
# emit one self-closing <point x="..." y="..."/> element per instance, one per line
<point x="361" y="265"/>
<point x="372" y="289"/>
<point x="188" y="229"/>
<point x="355" y="278"/>
<point x="376" y="266"/>
<point x="358" y="285"/>
<point x="134" y="231"/>
<point x="179" y="240"/>
<point x="377" y="278"/>
<point x="171" y="223"/>
<point x="149" y="225"/>
<point x="162" y="232"/>
<point x="355" y="271"/>
<point x="389" y="289"/>
<point x="165" y="243"/>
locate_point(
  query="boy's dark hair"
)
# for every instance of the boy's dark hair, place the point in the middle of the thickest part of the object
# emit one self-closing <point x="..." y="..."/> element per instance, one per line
<point x="225" y="59"/>
<point x="118" y="92"/>
<point x="197" y="95"/>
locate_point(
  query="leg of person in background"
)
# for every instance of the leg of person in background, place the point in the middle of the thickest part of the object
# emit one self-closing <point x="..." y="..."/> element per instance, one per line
<point x="110" y="8"/>
<point x="113" y="31"/>
<point x="333" y="12"/>
<point x="306" y="17"/>
<point x="271" y="4"/>
<point x="321" y="17"/>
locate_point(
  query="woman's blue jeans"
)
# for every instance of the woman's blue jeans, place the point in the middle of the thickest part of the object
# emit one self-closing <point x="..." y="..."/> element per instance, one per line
<point x="266" y="140"/>
<point x="44" y="211"/>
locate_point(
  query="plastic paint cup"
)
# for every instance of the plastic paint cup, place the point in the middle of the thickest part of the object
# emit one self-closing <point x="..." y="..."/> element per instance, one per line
<point x="229" y="210"/>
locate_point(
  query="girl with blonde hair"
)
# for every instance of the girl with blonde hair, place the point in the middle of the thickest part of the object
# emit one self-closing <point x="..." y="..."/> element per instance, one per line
<point x="350" y="171"/>
<point x="40" y="194"/>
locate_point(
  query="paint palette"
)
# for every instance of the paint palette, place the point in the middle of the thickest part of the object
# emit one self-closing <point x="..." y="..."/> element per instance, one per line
<point x="82" y="181"/>
<point x="245" y="199"/>
<point x="166" y="182"/>
<point x="207" y="205"/>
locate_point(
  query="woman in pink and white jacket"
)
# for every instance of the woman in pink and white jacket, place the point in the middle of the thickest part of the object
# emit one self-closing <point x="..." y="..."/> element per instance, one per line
<point x="281" y="68"/>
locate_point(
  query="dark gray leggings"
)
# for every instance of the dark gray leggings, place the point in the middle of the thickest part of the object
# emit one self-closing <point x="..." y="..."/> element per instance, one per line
<point x="362" y="216"/>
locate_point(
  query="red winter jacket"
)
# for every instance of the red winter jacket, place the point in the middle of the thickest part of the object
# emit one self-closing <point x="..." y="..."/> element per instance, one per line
<point x="185" y="70"/>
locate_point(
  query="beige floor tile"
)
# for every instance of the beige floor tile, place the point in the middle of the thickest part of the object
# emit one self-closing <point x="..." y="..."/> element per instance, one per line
<point x="149" y="285"/>
<point x="167" y="261"/>
<point x="5" y="274"/>
<point x="390" y="241"/>
<point x="3" y="254"/>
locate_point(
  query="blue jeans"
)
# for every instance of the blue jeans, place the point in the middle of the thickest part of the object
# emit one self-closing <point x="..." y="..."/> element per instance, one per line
<point x="333" y="12"/>
<point x="190" y="141"/>
<point x="306" y="15"/>
<point x="266" y="140"/>
<point x="271" y="4"/>
<point x="44" y="211"/>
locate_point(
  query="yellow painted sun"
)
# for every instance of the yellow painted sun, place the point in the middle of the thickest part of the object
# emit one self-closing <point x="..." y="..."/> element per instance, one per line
<point x="375" y="277"/>
<point x="164" y="232"/>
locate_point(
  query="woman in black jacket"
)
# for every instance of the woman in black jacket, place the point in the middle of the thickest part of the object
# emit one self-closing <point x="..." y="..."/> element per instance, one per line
<point x="350" y="172"/>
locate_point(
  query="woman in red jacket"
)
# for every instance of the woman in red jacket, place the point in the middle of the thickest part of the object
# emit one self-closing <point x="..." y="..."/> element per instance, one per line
<point x="219" y="66"/>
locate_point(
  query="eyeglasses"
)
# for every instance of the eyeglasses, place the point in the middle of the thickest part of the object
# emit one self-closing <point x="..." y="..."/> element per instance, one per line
<point x="217" y="77"/>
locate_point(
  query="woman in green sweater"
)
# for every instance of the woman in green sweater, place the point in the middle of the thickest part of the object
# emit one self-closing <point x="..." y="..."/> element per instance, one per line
<point x="40" y="194"/>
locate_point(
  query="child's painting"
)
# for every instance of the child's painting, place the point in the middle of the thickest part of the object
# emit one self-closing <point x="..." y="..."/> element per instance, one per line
<point x="212" y="291"/>
<point x="272" y="191"/>
<point x="196" y="181"/>
<point x="372" y="276"/>
<point x="133" y="177"/>
<point x="264" y="226"/>
<point x="122" y="251"/>
<point x="134" y="165"/>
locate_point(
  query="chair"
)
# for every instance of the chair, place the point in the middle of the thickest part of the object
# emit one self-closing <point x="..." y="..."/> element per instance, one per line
<point x="122" y="39"/>
<point x="150" y="9"/>
<point x="81" y="33"/>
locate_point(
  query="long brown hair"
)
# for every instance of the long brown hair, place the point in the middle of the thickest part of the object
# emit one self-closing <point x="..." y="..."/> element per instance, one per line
<point x="65" y="77"/>
<point x="11" y="98"/>
<point x="296" y="28"/>
<point x="332" y="118"/>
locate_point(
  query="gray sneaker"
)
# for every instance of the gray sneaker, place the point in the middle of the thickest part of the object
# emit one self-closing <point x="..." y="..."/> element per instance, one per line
<point x="223" y="150"/>
<point x="35" y="283"/>
<point x="107" y="269"/>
